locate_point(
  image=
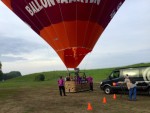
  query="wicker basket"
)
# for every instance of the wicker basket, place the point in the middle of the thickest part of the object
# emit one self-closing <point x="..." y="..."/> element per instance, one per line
<point x="72" y="86"/>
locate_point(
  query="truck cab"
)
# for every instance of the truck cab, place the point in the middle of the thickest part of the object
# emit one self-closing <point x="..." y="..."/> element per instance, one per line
<point x="107" y="84"/>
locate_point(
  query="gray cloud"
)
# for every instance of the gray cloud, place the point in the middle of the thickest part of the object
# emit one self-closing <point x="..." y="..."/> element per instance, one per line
<point x="14" y="49"/>
<point x="10" y="58"/>
<point x="17" y="46"/>
<point x="119" y="58"/>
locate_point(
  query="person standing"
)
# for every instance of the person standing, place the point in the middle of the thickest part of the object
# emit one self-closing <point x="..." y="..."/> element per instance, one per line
<point x="90" y="81"/>
<point x="131" y="87"/>
<point x="61" y="86"/>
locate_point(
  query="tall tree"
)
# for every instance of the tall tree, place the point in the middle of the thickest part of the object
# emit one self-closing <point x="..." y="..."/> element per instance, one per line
<point x="1" y="73"/>
<point x="0" y="65"/>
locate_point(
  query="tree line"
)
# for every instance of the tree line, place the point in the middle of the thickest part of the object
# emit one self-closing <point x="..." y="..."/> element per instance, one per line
<point x="10" y="75"/>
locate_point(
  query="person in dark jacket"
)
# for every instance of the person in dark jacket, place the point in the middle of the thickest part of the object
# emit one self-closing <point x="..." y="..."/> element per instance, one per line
<point x="90" y="81"/>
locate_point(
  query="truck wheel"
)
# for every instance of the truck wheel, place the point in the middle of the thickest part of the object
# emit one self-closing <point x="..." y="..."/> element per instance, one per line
<point x="107" y="90"/>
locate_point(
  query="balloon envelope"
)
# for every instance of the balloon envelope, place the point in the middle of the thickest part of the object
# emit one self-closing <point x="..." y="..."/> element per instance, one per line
<point x="70" y="27"/>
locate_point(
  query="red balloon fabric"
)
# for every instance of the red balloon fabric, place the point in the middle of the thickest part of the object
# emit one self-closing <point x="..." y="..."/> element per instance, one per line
<point x="70" y="27"/>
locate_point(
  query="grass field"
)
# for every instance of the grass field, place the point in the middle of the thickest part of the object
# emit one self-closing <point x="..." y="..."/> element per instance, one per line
<point x="24" y="95"/>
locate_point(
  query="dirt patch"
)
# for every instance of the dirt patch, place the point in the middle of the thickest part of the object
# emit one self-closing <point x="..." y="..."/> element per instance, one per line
<point x="47" y="100"/>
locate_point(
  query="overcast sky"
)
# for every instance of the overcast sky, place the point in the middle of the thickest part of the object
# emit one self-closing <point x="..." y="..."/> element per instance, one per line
<point x="125" y="41"/>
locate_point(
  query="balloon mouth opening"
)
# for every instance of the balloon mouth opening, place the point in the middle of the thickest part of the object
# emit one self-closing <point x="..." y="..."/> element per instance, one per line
<point x="73" y="56"/>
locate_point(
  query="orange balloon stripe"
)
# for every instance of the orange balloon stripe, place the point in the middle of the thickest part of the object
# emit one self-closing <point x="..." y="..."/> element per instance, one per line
<point x="7" y="3"/>
<point x="65" y="40"/>
<point x="50" y="37"/>
<point x="72" y="37"/>
<point x="97" y="31"/>
<point x="72" y="58"/>
<point x="93" y="33"/>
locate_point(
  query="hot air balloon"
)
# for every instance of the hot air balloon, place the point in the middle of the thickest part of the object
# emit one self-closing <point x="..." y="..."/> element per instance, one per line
<point x="70" y="27"/>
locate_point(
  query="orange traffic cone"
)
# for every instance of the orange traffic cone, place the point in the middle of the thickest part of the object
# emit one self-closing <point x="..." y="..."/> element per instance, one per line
<point x="89" y="108"/>
<point x="114" y="97"/>
<point x="104" y="100"/>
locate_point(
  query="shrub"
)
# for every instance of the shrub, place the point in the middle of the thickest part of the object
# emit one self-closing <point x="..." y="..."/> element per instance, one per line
<point x="40" y="77"/>
<point x="1" y="75"/>
<point x="12" y="74"/>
